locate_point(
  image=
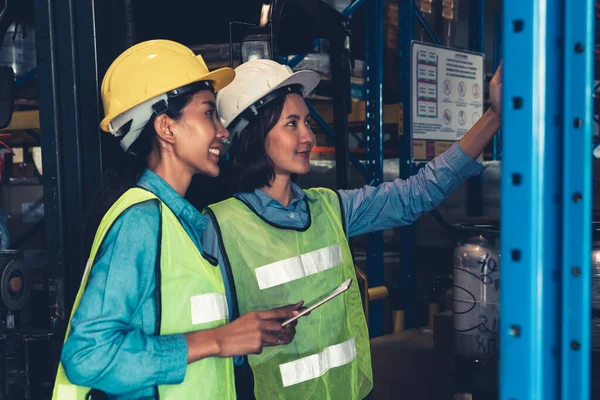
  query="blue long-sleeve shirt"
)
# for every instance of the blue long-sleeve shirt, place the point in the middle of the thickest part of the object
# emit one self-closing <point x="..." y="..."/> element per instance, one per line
<point x="112" y="346"/>
<point x="367" y="209"/>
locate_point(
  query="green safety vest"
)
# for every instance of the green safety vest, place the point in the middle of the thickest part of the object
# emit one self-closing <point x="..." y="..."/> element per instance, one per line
<point x="273" y="266"/>
<point x="192" y="298"/>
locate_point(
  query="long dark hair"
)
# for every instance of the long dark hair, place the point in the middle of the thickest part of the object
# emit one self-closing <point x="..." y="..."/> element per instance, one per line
<point x="252" y="167"/>
<point x="126" y="171"/>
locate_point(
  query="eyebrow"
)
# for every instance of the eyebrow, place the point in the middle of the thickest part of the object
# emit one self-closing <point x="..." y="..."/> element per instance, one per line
<point x="295" y="116"/>
<point x="210" y="103"/>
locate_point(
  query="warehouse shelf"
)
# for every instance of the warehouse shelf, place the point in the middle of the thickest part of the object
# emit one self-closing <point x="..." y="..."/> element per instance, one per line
<point x="392" y="113"/>
<point x="23" y="120"/>
<point x="388" y="153"/>
<point x="24" y="129"/>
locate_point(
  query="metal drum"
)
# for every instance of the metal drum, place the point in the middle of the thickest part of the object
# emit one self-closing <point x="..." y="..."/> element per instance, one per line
<point x="476" y="293"/>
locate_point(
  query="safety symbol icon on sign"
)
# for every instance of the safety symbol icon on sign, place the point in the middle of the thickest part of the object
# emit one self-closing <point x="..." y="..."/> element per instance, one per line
<point x="447" y="87"/>
<point x="462" y="89"/>
<point x="462" y="117"/>
<point x="476" y="91"/>
<point x="447" y="117"/>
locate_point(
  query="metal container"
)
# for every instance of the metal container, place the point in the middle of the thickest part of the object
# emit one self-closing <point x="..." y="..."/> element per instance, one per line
<point x="476" y="296"/>
<point x="476" y="292"/>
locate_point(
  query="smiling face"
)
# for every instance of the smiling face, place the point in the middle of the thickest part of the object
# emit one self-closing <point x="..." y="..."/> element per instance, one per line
<point x="289" y="142"/>
<point x="199" y="135"/>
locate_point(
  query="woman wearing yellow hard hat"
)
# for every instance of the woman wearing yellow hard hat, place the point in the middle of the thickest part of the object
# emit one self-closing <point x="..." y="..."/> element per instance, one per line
<point x="152" y="317"/>
<point x="298" y="246"/>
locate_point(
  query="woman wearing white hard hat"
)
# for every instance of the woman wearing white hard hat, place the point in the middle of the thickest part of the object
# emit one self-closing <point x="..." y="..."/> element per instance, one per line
<point x="281" y="243"/>
<point x="151" y="318"/>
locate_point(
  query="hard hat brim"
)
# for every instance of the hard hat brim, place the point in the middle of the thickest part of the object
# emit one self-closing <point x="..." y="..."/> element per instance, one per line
<point x="219" y="78"/>
<point x="306" y="78"/>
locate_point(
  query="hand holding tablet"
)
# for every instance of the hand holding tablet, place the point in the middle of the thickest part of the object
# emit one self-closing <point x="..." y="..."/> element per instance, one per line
<point x="321" y="300"/>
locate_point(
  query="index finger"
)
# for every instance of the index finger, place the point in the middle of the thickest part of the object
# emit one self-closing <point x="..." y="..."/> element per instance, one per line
<point x="278" y="313"/>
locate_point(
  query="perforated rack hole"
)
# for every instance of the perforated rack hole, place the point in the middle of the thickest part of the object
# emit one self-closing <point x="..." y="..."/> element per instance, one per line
<point x="517" y="103"/>
<point x="516" y="179"/>
<point x="515" y="255"/>
<point x="518" y="25"/>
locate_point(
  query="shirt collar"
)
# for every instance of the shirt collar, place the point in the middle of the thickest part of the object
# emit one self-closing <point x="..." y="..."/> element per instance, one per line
<point x="180" y="206"/>
<point x="260" y="200"/>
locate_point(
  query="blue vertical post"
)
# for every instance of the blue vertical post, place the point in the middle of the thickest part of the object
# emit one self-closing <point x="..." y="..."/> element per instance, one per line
<point x="406" y="32"/>
<point x="530" y="200"/>
<point x="374" y="148"/>
<point x="497" y="142"/>
<point x="476" y="24"/>
<point x="577" y="198"/>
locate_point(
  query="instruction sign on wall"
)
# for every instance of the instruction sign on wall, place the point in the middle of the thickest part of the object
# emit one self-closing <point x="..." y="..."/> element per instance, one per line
<point x="447" y="91"/>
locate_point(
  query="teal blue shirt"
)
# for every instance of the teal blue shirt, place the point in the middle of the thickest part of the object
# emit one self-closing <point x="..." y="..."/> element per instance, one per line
<point x="112" y="346"/>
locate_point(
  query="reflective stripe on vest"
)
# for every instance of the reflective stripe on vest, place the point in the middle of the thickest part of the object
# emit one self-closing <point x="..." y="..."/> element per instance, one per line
<point x="66" y="392"/>
<point x="209" y="308"/>
<point x="316" y="365"/>
<point x="298" y="267"/>
<point x="192" y="297"/>
<point x="271" y="267"/>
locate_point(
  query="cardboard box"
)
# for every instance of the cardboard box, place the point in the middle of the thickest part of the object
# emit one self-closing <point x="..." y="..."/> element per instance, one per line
<point x="425" y="150"/>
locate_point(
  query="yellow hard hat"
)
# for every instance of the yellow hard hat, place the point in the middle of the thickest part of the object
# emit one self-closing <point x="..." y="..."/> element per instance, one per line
<point x="143" y="74"/>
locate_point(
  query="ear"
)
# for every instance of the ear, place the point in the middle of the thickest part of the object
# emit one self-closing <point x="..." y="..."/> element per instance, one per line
<point x="163" y="125"/>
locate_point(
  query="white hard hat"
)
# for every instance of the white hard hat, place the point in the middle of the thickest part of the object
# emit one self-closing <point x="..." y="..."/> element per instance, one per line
<point x="254" y="81"/>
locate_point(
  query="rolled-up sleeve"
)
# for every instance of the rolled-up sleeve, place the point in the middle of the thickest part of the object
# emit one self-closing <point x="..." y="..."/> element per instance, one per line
<point x="111" y="347"/>
<point x="402" y="202"/>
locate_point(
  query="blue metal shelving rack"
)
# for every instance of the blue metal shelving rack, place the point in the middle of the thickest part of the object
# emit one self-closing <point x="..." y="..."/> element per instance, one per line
<point x="406" y="32"/>
<point x="546" y="200"/>
<point x="374" y="148"/>
<point x="497" y="142"/>
<point x="476" y="43"/>
<point x="577" y="124"/>
<point x="530" y="208"/>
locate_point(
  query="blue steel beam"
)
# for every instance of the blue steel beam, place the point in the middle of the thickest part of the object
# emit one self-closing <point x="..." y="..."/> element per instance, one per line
<point x="329" y="132"/>
<point x="406" y="31"/>
<point x="294" y="61"/>
<point x="475" y="184"/>
<point x="577" y="124"/>
<point x="530" y="200"/>
<point x="374" y="148"/>
<point x="497" y="57"/>
<point x="374" y="80"/>
<point x="426" y="26"/>
<point x="30" y="74"/>
<point x="348" y="11"/>
<point x="476" y="24"/>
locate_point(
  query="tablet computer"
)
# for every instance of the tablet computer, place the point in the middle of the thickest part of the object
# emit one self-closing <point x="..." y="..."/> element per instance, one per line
<point x="321" y="300"/>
